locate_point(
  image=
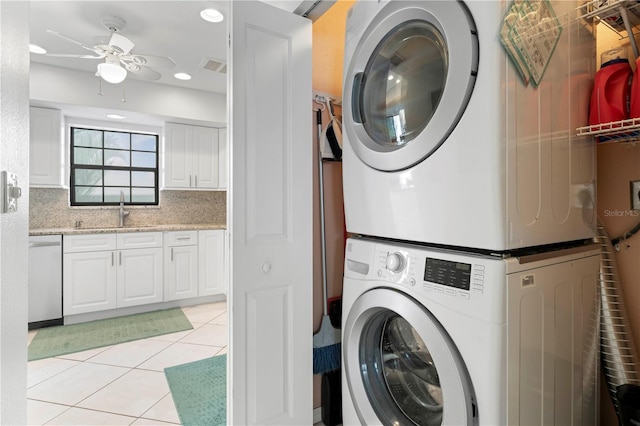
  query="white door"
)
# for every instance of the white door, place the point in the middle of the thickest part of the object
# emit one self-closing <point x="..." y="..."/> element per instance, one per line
<point x="270" y="358"/>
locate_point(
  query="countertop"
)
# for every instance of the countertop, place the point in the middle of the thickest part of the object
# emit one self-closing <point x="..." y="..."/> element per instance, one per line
<point x="127" y="228"/>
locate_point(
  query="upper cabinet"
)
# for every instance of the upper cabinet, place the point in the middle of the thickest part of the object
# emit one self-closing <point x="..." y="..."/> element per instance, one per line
<point x="192" y="157"/>
<point x="45" y="148"/>
<point x="223" y="159"/>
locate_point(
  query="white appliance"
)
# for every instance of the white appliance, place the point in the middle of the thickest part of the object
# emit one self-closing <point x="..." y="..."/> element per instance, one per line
<point x="444" y="144"/>
<point x="45" y="281"/>
<point x="432" y="336"/>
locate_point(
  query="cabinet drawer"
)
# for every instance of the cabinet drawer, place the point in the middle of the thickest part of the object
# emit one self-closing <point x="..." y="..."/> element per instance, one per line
<point x="88" y="242"/>
<point x="181" y="238"/>
<point x="135" y="240"/>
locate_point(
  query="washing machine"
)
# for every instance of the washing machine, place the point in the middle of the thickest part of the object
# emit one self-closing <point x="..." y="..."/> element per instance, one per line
<point x="438" y="337"/>
<point x="444" y="143"/>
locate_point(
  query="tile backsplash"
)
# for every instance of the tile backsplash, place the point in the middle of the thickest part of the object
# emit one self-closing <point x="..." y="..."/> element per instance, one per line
<point x="49" y="208"/>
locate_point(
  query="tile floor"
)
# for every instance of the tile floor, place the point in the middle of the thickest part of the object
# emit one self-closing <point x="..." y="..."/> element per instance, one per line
<point x="122" y="384"/>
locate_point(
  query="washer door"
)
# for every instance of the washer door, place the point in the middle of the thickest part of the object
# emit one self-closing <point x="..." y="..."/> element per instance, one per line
<point x="409" y="81"/>
<point x="401" y="366"/>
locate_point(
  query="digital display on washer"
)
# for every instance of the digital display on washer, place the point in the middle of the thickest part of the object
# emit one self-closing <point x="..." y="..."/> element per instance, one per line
<point x="445" y="272"/>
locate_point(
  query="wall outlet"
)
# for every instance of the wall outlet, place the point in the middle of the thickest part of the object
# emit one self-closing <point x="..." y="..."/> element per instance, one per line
<point x="635" y="194"/>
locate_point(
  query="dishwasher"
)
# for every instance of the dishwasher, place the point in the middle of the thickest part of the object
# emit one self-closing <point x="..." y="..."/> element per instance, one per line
<point x="45" y="281"/>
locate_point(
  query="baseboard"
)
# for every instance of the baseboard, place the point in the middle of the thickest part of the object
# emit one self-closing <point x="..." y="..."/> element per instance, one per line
<point x="317" y="415"/>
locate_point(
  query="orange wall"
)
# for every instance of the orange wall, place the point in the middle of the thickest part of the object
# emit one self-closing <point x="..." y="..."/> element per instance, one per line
<point x="328" y="52"/>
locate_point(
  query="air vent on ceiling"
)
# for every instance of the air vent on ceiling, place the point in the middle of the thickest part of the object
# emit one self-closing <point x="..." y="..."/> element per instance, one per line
<point x="215" y="65"/>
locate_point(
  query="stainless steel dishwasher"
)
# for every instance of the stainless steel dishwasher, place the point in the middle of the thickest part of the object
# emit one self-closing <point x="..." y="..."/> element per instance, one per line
<point x="45" y="281"/>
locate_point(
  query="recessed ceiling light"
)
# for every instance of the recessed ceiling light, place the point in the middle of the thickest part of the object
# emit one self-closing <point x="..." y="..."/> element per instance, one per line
<point x="211" y="15"/>
<point x="116" y="116"/>
<point x="182" y="76"/>
<point x="34" y="48"/>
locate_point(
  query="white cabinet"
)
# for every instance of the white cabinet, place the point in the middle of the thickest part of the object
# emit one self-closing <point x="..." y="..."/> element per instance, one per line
<point x="88" y="282"/>
<point x="181" y="265"/>
<point x="45" y="147"/>
<point x="223" y="159"/>
<point x="139" y="278"/>
<point x="107" y="271"/>
<point x="191" y="157"/>
<point x="211" y="262"/>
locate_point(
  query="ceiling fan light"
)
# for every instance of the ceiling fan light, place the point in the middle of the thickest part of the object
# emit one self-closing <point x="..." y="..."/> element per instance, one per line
<point x="112" y="73"/>
<point x="211" y="15"/>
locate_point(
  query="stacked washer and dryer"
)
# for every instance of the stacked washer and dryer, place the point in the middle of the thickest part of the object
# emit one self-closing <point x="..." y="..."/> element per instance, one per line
<point x="470" y="283"/>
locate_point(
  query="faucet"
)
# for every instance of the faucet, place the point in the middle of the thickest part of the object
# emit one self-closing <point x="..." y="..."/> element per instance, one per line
<point x="123" y="213"/>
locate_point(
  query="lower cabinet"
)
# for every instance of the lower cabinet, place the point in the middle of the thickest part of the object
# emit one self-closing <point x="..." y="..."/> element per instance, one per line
<point x="108" y="271"/>
<point x="211" y="262"/>
<point x="194" y="264"/>
<point x="139" y="277"/>
<point x="116" y="270"/>
<point x="181" y="266"/>
<point x="89" y="282"/>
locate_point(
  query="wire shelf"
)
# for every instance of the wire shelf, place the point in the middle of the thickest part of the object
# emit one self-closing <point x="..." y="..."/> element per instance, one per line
<point x="622" y="16"/>
<point x="615" y="131"/>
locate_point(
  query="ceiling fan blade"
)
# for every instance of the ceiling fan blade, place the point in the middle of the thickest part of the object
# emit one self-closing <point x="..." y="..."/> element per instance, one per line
<point x="144" y="73"/>
<point x="64" y="55"/>
<point x="84" y="46"/>
<point x="150" y="61"/>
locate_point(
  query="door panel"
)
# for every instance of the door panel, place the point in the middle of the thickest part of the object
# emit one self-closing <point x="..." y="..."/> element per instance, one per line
<point x="270" y="296"/>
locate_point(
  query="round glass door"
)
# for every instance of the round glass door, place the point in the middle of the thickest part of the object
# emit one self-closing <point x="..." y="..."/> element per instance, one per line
<point x="401" y="366"/>
<point x="408" y="81"/>
<point x="405" y="382"/>
<point x="403" y="83"/>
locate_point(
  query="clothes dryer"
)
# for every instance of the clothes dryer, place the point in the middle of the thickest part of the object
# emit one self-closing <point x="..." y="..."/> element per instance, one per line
<point x="443" y="141"/>
<point x="437" y="337"/>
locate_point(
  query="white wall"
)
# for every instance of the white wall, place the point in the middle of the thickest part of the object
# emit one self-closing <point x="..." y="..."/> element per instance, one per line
<point x="14" y="154"/>
<point x="78" y="88"/>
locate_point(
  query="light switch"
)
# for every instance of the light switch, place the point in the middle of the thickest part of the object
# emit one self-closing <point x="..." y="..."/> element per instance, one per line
<point x="635" y="195"/>
<point x="10" y="192"/>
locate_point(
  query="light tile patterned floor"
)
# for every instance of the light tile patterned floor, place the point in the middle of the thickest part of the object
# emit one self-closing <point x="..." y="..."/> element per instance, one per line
<point x="122" y="384"/>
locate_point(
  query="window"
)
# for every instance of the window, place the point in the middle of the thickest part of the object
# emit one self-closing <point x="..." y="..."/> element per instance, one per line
<point x="105" y="164"/>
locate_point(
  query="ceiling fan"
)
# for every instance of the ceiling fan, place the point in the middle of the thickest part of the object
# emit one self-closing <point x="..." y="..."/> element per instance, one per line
<point x="115" y="50"/>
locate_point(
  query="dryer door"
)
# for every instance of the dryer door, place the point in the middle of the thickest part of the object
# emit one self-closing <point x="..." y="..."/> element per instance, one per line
<point x="409" y="81"/>
<point x="401" y="366"/>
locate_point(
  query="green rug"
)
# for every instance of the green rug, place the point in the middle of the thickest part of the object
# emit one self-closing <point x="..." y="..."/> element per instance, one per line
<point x="199" y="390"/>
<point x="66" y="339"/>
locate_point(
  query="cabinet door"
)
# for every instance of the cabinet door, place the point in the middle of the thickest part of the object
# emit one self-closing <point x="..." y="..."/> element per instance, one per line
<point x="181" y="272"/>
<point x="139" y="277"/>
<point x="177" y="156"/>
<point x="45" y="147"/>
<point x="211" y="260"/>
<point x="205" y="157"/>
<point x="223" y="159"/>
<point x="89" y="282"/>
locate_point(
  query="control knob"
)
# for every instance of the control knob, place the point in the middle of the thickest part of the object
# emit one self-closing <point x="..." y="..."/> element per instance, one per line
<point x="395" y="262"/>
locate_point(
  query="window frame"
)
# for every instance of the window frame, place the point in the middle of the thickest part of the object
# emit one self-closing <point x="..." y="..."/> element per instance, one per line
<point x="130" y="169"/>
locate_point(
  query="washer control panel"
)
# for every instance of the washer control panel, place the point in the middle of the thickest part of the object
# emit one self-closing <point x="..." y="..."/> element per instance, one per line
<point x="427" y="273"/>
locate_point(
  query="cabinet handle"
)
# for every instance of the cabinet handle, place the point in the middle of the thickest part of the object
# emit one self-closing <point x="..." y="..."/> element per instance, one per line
<point x="182" y="238"/>
<point x="112" y="259"/>
<point x="196" y="181"/>
<point x="172" y="254"/>
<point x="119" y="258"/>
<point x="189" y="181"/>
